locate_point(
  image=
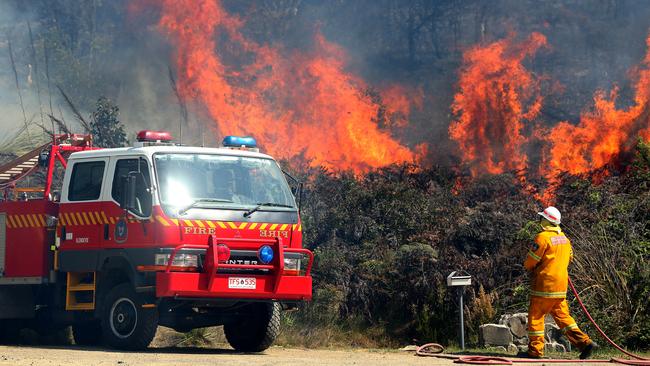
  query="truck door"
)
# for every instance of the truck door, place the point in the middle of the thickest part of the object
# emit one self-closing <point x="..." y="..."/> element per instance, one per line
<point x="133" y="229"/>
<point x="80" y="218"/>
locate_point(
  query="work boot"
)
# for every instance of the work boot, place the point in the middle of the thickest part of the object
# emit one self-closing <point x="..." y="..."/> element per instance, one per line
<point x="524" y="354"/>
<point x="588" y="350"/>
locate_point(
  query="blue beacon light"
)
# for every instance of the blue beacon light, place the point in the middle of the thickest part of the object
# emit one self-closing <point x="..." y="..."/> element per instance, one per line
<point x="239" y="141"/>
<point x="265" y="254"/>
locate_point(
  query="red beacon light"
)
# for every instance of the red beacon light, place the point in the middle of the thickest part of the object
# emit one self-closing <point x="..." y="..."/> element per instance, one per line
<point x="149" y="138"/>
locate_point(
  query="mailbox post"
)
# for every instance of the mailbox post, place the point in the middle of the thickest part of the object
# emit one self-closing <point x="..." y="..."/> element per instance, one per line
<point x="456" y="280"/>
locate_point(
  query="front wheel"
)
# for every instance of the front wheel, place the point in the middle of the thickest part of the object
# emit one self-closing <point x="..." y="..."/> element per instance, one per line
<point x="125" y="323"/>
<point x="256" y="329"/>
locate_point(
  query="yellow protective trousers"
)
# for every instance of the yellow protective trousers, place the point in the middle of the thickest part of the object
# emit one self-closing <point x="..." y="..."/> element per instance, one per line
<point x="559" y="310"/>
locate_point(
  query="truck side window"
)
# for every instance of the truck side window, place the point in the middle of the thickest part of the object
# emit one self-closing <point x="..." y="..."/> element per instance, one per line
<point x="142" y="184"/>
<point x="86" y="181"/>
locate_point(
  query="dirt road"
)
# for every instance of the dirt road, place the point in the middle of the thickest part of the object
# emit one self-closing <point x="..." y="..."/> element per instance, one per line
<point x="78" y="356"/>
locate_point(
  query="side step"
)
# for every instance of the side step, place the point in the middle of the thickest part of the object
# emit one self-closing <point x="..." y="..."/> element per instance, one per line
<point x="80" y="291"/>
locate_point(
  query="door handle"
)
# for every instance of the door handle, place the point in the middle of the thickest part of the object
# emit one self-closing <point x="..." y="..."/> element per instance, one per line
<point x="106" y="232"/>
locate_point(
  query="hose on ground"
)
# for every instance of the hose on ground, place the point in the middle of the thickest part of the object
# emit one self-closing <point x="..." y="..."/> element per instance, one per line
<point x="436" y="350"/>
<point x="584" y="308"/>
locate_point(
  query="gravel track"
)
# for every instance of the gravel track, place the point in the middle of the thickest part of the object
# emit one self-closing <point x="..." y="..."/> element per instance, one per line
<point x="83" y="356"/>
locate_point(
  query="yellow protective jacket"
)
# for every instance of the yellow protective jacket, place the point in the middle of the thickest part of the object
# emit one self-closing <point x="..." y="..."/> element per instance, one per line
<point x="549" y="259"/>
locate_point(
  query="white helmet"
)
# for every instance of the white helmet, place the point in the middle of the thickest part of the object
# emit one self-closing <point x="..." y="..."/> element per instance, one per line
<point x="551" y="214"/>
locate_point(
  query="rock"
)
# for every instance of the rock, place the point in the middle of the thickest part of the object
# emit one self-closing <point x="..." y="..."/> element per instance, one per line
<point x="512" y="348"/>
<point x="517" y="325"/>
<point x="504" y="319"/>
<point x="521" y="341"/>
<point x="495" y="335"/>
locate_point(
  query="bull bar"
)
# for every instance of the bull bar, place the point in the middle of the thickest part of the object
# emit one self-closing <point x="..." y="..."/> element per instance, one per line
<point x="210" y="284"/>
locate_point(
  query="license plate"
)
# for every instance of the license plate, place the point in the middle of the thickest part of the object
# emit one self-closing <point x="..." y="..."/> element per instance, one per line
<point x="242" y="283"/>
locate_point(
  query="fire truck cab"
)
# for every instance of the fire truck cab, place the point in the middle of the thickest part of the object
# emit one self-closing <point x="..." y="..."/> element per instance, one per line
<point x="155" y="234"/>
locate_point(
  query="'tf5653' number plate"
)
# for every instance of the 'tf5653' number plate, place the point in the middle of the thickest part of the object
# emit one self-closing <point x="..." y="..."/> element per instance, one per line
<point x="242" y="282"/>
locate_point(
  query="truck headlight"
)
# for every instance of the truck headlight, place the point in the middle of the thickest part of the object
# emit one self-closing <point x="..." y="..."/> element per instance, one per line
<point x="180" y="260"/>
<point x="295" y="264"/>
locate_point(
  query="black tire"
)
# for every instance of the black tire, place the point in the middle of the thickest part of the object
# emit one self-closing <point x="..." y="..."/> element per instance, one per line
<point x="87" y="334"/>
<point x="125" y="323"/>
<point x="255" y="330"/>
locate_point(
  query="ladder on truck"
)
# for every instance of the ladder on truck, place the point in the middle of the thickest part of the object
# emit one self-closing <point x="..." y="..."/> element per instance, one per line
<point x="45" y="156"/>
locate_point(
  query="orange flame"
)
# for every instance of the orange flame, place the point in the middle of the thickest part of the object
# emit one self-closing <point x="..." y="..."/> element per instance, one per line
<point x="603" y="133"/>
<point x="296" y="103"/>
<point x="496" y="96"/>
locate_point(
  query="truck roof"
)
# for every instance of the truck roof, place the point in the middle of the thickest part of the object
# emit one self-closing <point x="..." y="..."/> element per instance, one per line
<point x="150" y="150"/>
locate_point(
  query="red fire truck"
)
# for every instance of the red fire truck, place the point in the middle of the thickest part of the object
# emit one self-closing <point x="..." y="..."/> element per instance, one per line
<point x="119" y="241"/>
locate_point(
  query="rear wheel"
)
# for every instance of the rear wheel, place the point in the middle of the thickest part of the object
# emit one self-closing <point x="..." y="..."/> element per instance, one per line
<point x="256" y="329"/>
<point x="125" y="323"/>
<point x="88" y="333"/>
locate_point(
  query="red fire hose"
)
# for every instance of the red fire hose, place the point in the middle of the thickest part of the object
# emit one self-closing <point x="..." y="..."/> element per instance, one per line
<point x="435" y="350"/>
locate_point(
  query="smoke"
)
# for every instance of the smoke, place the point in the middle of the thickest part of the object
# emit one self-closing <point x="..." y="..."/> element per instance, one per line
<point x="401" y="63"/>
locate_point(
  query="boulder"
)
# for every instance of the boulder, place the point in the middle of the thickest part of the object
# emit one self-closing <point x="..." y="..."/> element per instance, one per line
<point x="517" y="324"/>
<point x="495" y="335"/>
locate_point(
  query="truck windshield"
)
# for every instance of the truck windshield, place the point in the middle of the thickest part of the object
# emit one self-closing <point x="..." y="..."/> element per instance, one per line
<point x="210" y="180"/>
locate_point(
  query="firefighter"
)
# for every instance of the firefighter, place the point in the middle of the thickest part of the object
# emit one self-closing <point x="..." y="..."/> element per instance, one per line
<point x="548" y="261"/>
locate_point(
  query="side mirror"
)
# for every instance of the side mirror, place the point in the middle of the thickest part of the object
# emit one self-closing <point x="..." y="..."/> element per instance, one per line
<point x="128" y="192"/>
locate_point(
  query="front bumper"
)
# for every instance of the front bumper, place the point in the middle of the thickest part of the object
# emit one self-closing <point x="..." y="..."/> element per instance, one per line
<point x="197" y="285"/>
<point x="210" y="284"/>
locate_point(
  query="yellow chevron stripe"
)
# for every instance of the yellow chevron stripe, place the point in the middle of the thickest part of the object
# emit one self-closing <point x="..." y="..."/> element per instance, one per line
<point x="221" y="224"/>
<point x="199" y="223"/>
<point x="294" y="226"/>
<point x="37" y="222"/>
<point x="111" y="220"/>
<point x="263" y="226"/>
<point x="243" y="225"/>
<point x="70" y="218"/>
<point x="253" y="225"/>
<point x="188" y="223"/>
<point x="283" y="226"/>
<point x="162" y="220"/>
<point x="98" y="218"/>
<point x="211" y="224"/>
<point x="62" y="219"/>
<point x="89" y="219"/>
<point x="273" y="227"/>
<point x="10" y="223"/>
<point x="80" y="219"/>
<point x="29" y="221"/>
<point x="41" y="218"/>
<point x="300" y="227"/>
<point x="104" y="217"/>
<point x="174" y="221"/>
<point x="232" y="225"/>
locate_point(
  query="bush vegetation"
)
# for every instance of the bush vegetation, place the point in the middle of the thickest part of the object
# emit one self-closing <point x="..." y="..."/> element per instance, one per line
<point x="385" y="242"/>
